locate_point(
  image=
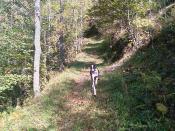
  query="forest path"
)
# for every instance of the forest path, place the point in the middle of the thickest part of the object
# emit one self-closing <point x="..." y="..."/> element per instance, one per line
<point x="66" y="103"/>
<point x="80" y="105"/>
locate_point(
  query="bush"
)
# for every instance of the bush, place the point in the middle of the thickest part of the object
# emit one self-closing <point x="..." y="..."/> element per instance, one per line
<point x="13" y="90"/>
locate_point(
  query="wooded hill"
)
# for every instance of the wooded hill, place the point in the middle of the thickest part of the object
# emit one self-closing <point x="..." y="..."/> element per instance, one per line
<point x="135" y="40"/>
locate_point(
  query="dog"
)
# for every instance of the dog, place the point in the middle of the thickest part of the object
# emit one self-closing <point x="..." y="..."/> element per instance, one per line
<point x="94" y="73"/>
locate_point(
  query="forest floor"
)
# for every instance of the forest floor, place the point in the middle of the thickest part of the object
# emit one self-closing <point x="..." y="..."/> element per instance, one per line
<point x="67" y="103"/>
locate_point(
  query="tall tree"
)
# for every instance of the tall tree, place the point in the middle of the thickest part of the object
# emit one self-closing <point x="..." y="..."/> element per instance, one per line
<point x="37" y="55"/>
<point x="61" y="38"/>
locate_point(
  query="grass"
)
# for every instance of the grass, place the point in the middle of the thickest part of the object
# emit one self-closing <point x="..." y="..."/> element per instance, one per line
<point x="100" y="48"/>
<point x="40" y="114"/>
<point x="134" y="90"/>
<point x="126" y="98"/>
<point x="50" y="111"/>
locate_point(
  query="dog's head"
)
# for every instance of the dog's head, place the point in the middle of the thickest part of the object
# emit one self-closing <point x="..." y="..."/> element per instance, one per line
<point x="93" y="67"/>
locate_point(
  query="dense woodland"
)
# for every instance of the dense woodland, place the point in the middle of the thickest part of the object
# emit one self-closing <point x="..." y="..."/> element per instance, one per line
<point x="41" y="50"/>
<point x="59" y="19"/>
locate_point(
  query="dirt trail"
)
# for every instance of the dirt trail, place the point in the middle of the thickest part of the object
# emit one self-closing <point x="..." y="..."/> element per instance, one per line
<point x="79" y="100"/>
<point x="80" y="105"/>
<point x="75" y="98"/>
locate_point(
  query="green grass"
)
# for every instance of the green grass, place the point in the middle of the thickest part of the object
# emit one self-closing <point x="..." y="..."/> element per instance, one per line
<point x="41" y="113"/>
<point x="145" y="80"/>
<point x="46" y="112"/>
<point x="126" y="98"/>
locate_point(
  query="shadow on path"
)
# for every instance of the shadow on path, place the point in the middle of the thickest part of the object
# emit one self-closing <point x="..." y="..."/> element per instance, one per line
<point x="97" y="48"/>
<point x="83" y="65"/>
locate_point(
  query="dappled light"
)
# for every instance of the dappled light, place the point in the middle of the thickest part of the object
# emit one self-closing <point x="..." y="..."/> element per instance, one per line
<point x="91" y="65"/>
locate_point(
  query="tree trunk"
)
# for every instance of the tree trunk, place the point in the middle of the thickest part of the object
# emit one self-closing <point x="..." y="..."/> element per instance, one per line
<point x="61" y="48"/>
<point x="37" y="55"/>
<point x="81" y="26"/>
<point x="61" y="39"/>
<point x="49" y="14"/>
<point x="131" y="30"/>
<point x="11" y="14"/>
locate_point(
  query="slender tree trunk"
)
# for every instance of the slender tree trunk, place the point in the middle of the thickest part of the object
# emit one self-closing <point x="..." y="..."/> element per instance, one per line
<point x="81" y="26"/>
<point x="131" y="31"/>
<point x="48" y="32"/>
<point x="37" y="55"/>
<point x="74" y="27"/>
<point x="61" y="39"/>
<point x="76" y="31"/>
<point x="150" y="18"/>
<point x="44" y="59"/>
<point x="150" y="12"/>
<point x="49" y="13"/>
<point x="11" y="14"/>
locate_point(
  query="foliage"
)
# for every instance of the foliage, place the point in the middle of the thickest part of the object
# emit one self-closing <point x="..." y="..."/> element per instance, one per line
<point x="43" y="113"/>
<point x="16" y="36"/>
<point x="16" y="54"/>
<point x="149" y="78"/>
<point x="8" y="81"/>
<point x="138" y="96"/>
<point x="73" y="25"/>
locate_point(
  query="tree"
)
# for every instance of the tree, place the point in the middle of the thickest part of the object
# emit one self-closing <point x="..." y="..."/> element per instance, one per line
<point x="61" y="38"/>
<point x="37" y="55"/>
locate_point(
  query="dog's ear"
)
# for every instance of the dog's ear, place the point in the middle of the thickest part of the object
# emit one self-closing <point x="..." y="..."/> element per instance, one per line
<point x="90" y="67"/>
<point x="95" y="66"/>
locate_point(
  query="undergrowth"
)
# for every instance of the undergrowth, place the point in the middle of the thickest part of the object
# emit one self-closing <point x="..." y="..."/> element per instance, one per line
<point x="40" y="114"/>
<point x="138" y="96"/>
<point x="141" y="92"/>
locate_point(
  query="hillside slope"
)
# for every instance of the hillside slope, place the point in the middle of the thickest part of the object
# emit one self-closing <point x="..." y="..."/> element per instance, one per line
<point x="138" y="95"/>
<point x="66" y="103"/>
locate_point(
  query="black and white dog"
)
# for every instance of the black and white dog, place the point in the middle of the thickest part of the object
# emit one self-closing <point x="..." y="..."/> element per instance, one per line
<point x="94" y="73"/>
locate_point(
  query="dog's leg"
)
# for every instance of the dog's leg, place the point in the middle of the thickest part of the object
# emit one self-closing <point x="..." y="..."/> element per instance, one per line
<point x="94" y="90"/>
<point x="96" y="80"/>
<point x="92" y="83"/>
<point x="93" y="86"/>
